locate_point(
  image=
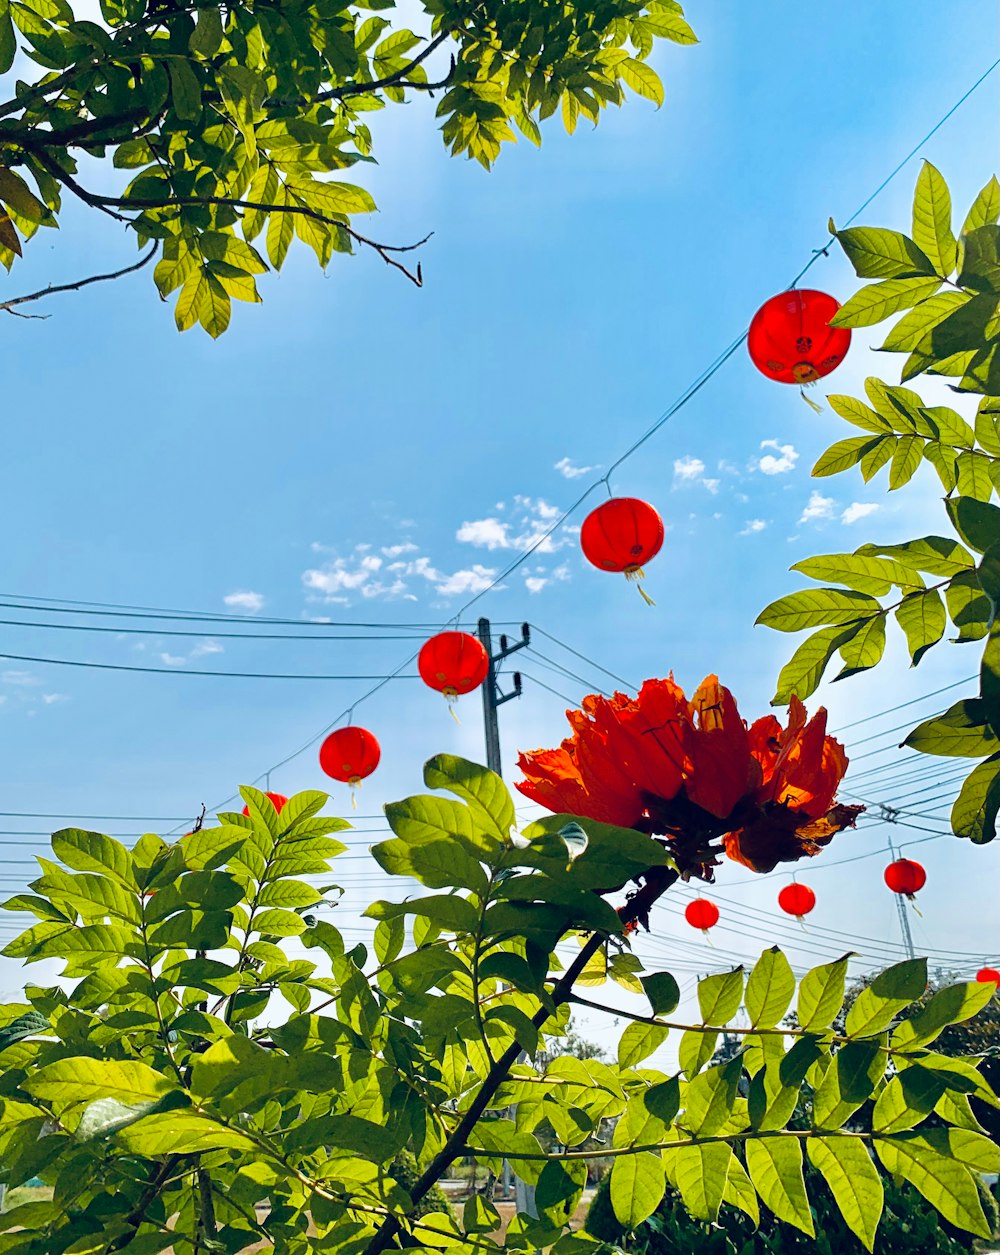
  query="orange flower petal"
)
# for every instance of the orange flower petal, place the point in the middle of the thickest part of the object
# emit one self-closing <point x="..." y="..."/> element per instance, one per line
<point x="719" y="750"/>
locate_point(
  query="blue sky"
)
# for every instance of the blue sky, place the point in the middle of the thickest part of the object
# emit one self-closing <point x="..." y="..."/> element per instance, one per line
<point x="358" y="449"/>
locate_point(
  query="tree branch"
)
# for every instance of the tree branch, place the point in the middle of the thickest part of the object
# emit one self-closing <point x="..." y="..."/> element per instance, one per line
<point x="456" y="1144"/>
<point x="397" y="79"/>
<point x="110" y="204"/>
<point x="7" y="306"/>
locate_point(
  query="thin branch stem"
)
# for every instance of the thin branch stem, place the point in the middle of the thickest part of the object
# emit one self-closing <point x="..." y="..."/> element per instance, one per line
<point x="609" y="1152"/>
<point x="53" y="288"/>
<point x="396" y="79"/>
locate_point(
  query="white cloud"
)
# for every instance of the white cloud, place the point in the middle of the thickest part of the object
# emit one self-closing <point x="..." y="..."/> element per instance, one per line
<point x="688" y="467"/>
<point x="245" y="601"/>
<point x="857" y="510"/>
<point x="753" y="526"/>
<point x="365" y="575"/>
<point x="485" y="534"/>
<point x="567" y="468"/>
<point x="475" y="579"/>
<point x="535" y="583"/>
<point x="20" y="679"/>
<point x="818" y="507"/>
<point x="711" y="484"/>
<point x="394" y="551"/>
<point x="768" y="464"/>
<point x="50" y="699"/>
<point x="173" y="660"/>
<point x="202" y="650"/>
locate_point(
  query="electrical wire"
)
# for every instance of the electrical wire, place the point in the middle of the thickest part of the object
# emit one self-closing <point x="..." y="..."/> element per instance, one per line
<point x="232" y="636"/>
<point x="232" y="675"/>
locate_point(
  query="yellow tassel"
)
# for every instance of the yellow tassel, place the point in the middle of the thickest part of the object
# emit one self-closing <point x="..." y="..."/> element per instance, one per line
<point x="354" y="800"/>
<point x="451" y="711"/>
<point x="634" y="574"/>
<point x="913" y="903"/>
<point x="816" y="408"/>
<point x="645" y="596"/>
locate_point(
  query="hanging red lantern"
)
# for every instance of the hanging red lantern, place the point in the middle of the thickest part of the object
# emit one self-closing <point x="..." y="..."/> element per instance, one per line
<point x="791" y="340"/>
<point x="702" y="914"/>
<point x="621" y="535"/>
<point x="987" y="975"/>
<point x="905" y="876"/>
<point x="278" y="800"/>
<point x="453" y="663"/>
<point x="350" y="755"/>
<point x="797" y="900"/>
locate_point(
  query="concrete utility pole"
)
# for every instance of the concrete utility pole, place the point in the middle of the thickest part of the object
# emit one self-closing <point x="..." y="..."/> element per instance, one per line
<point x="493" y="699"/>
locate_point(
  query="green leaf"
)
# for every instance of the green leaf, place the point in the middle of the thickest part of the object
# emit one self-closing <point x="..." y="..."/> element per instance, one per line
<point x="710" y="1097"/>
<point x="844" y="454"/>
<point x="696" y="1048"/>
<point x="821" y="994"/>
<point x="876" y="301"/>
<point x="859" y="414"/>
<point x="988" y="426"/>
<point x="969" y="607"/>
<point x="906" y="457"/>
<point x="854" y="1182"/>
<point x="68" y="1083"/>
<point x="662" y="991"/>
<point x="775" y="1167"/>
<point x="445" y="910"/>
<point x="813" y="607"/>
<point x="923" y="620"/>
<point x="864" y="573"/>
<point x="865" y="647"/>
<point x="981" y="264"/>
<point x="876" y="253"/>
<point x="719" y="997"/>
<point x="663" y="1100"/>
<point x="947" y="1185"/>
<point x="182" y="1133"/>
<point x="30" y="1024"/>
<point x="769" y="989"/>
<point x="932" y="220"/>
<point x="185" y="90"/>
<point x="638" y="1183"/>
<point x="850" y="1080"/>
<point x="642" y="78"/>
<point x="985" y="208"/>
<point x="638" y="1042"/>
<point x="16" y="195"/>
<point x="935" y="554"/>
<point x="479" y="788"/>
<point x="8" y="41"/>
<point x="875" y="1007"/>
<point x="961" y="732"/>
<point x="700" y="1174"/>
<point x="207" y="37"/>
<point x="94" y="852"/>
<point x="437" y="862"/>
<point x="612" y="855"/>
<point x="804" y="670"/>
<point x="974" y="814"/>
<point x="877" y="456"/>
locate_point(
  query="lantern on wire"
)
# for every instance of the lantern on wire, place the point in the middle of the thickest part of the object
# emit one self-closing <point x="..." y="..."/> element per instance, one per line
<point x="791" y="341"/>
<point x="453" y="664"/>
<point x="350" y="755"/>
<point x="988" y="975"/>
<point x="278" y="800"/>
<point x="906" y="877"/>
<point x="797" y="900"/>
<point x="622" y="535"/>
<point x="700" y="913"/>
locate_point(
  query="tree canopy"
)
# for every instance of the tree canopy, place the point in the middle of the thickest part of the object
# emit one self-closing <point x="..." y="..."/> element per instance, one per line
<point x="227" y="121"/>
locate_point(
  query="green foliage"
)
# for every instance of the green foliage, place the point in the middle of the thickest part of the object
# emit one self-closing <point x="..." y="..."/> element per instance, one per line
<point x="228" y="121"/>
<point x="949" y="286"/>
<point x="909" y="1226"/>
<point x="191" y="1067"/>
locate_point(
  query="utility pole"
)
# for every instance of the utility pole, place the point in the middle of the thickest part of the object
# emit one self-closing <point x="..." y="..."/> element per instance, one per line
<point x="493" y="699"/>
<point x="904" y="925"/>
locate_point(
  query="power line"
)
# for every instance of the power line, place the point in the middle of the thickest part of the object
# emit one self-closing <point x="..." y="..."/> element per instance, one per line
<point x="232" y="675"/>
<point x="233" y="636"/>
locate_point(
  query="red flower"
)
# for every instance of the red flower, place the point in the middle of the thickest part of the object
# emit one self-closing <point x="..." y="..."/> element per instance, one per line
<point x="693" y="772"/>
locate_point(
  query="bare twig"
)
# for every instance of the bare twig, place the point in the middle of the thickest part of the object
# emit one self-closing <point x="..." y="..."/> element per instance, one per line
<point x="7" y="307"/>
<point x="398" y="79"/>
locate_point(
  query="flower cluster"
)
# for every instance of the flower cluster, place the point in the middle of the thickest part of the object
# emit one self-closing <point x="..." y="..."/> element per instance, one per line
<point x="693" y="772"/>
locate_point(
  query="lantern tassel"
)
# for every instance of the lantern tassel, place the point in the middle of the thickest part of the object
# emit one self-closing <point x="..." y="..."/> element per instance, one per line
<point x="451" y="711"/>
<point x="813" y="405"/>
<point x="355" y="783"/>
<point x="635" y="574"/>
<point x="705" y="934"/>
<point x="913" y="903"/>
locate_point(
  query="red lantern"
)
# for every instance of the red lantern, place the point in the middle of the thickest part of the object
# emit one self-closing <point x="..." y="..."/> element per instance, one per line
<point x="621" y="535"/>
<point x="702" y="914"/>
<point x="350" y="755"/>
<point x="986" y="975"/>
<point x="791" y="340"/>
<point x="905" y="876"/>
<point x="453" y="663"/>
<point x="278" y="800"/>
<point x="797" y="900"/>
